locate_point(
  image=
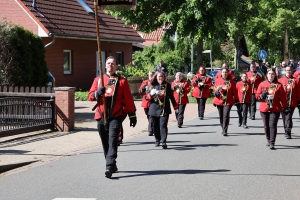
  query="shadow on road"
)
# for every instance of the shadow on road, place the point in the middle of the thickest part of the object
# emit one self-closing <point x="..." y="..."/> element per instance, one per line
<point x="168" y="172"/>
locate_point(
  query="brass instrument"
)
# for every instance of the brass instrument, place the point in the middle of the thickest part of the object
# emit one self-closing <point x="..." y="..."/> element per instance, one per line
<point x="224" y="91"/>
<point x="271" y="90"/>
<point x="202" y="81"/>
<point x="179" y="91"/>
<point x="244" y="90"/>
<point x="252" y="79"/>
<point x="289" y="90"/>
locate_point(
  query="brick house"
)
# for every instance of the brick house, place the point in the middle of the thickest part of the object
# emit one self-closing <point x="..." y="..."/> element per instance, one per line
<point x="68" y="31"/>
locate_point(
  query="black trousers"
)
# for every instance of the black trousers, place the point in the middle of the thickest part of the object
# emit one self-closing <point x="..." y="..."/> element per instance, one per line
<point x="288" y="121"/>
<point x="201" y="106"/>
<point x="270" y="120"/>
<point x="160" y="128"/>
<point x="224" y="115"/>
<point x="180" y="114"/>
<point x="109" y="139"/>
<point x="242" y="110"/>
<point x="149" y="120"/>
<point x="252" y="109"/>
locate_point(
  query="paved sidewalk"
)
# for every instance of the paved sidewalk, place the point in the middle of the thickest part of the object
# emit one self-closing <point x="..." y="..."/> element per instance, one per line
<point x="43" y="147"/>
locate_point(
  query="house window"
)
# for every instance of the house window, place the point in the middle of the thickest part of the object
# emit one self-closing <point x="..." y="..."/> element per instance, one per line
<point x="119" y="58"/>
<point x="67" y="62"/>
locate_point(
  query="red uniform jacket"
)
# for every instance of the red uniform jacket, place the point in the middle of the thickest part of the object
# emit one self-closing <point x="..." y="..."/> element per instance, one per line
<point x="118" y="93"/>
<point x="142" y="91"/>
<point x="205" y="90"/>
<point x="255" y="80"/>
<point x="277" y="90"/>
<point x="297" y="75"/>
<point x="228" y="90"/>
<point x="230" y="75"/>
<point x="292" y="90"/>
<point x="181" y="98"/>
<point x="244" y="91"/>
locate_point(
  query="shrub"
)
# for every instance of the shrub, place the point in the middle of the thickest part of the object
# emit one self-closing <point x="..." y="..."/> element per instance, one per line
<point x="22" y="57"/>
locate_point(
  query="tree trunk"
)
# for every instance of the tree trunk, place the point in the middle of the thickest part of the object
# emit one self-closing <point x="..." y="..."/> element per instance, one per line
<point x="199" y="52"/>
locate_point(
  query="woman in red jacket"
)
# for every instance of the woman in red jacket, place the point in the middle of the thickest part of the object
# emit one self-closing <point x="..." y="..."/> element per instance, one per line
<point x="244" y="91"/>
<point x="273" y="101"/>
<point x="225" y="97"/>
<point x="145" y="103"/>
<point x="180" y="90"/>
<point x="292" y="91"/>
<point x="201" y="84"/>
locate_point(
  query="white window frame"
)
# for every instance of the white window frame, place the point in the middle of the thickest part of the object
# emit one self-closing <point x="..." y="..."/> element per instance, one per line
<point x="103" y="53"/>
<point x="69" y="70"/>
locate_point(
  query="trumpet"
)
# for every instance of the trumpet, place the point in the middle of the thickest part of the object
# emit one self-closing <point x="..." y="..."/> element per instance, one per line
<point x="201" y="83"/>
<point x="244" y="89"/>
<point x="271" y="92"/>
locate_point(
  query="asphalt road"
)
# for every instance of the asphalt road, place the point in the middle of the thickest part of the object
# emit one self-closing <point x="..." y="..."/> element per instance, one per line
<point x="199" y="163"/>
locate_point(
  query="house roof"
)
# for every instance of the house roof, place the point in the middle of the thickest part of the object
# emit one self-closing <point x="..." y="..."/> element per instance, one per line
<point x="69" y="19"/>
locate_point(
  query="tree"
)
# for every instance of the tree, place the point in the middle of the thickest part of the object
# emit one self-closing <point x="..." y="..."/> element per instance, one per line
<point x="196" y="19"/>
<point x="22" y="57"/>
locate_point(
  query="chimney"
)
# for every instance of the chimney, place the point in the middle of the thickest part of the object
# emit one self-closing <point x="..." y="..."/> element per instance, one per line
<point x="34" y="4"/>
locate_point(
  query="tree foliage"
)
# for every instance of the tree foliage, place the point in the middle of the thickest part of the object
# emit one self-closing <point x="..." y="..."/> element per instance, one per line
<point x="22" y="57"/>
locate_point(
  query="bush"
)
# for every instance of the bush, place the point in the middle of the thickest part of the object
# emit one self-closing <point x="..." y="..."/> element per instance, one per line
<point x="81" y="96"/>
<point x="22" y="57"/>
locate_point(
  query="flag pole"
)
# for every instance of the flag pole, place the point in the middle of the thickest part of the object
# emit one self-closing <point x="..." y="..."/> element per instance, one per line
<point x="100" y="61"/>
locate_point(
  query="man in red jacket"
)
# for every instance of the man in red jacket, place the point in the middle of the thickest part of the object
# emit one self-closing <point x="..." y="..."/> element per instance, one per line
<point x="255" y="80"/>
<point x="292" y="91"/>
<point x="116" y="92"/>
<point x="244" y="92"/>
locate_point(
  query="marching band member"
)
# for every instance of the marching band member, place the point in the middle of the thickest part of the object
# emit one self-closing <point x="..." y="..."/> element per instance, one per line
<point x="160" y="94"/>
<point x="292" y="91"/>
<point x="255" y="80"/>
<point x="244" y="90"/>
<point x="180" y="90"/>
<point x="145" y="103"/>
<point x="201" y="84"/>
<point x="225" y="97"/>
<point x="230" y="73"/>
<point x="119" y="100"/>
<point x="273" y="101"/>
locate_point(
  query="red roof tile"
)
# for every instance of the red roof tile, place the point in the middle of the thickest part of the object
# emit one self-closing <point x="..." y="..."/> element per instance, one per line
<point x="68" y="18"/>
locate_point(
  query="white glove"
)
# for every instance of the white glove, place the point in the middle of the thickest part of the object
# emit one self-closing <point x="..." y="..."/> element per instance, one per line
<point x="147" y="88"/>
<point x="153" y="92"/>
<point x="200" y="83"/>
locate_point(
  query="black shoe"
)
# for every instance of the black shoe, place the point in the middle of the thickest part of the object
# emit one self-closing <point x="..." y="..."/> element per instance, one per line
<point x="114" y="169"/>
<point x="201" y="118"/>
<point x="245" y="126"/>
<point x="252" y="118"/>
<point x="240" y="124"/>
<point x="268" y="144"/>
<point x="288" y="136"/>
<point x="179" y="126"/>
<point x="164" y="145"/>
<point x="150" y="134"/>
<point x="157" y="144"/>
<point x="224" y="133"/>
<point x="272" y="147"/>
<point x="108" y="173"/>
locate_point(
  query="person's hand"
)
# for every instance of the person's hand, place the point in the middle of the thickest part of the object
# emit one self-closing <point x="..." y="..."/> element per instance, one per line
<point x="153" y="92"/>
<point x="144" y="88"/>
<point x="217" y="94"/>
<point x="197" y="80"/>
<point x="286" y="110"/>
<point x="219" y="87"/>
<point x="236" y="102"/>
<point x="176" y="86"/>
<point x="264" y="95"/>
<point x="132" y="121"/>
<point x="99" y="92"/>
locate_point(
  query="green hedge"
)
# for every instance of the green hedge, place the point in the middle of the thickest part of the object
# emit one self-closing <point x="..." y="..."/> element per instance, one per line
<point x="22" y="57"/>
